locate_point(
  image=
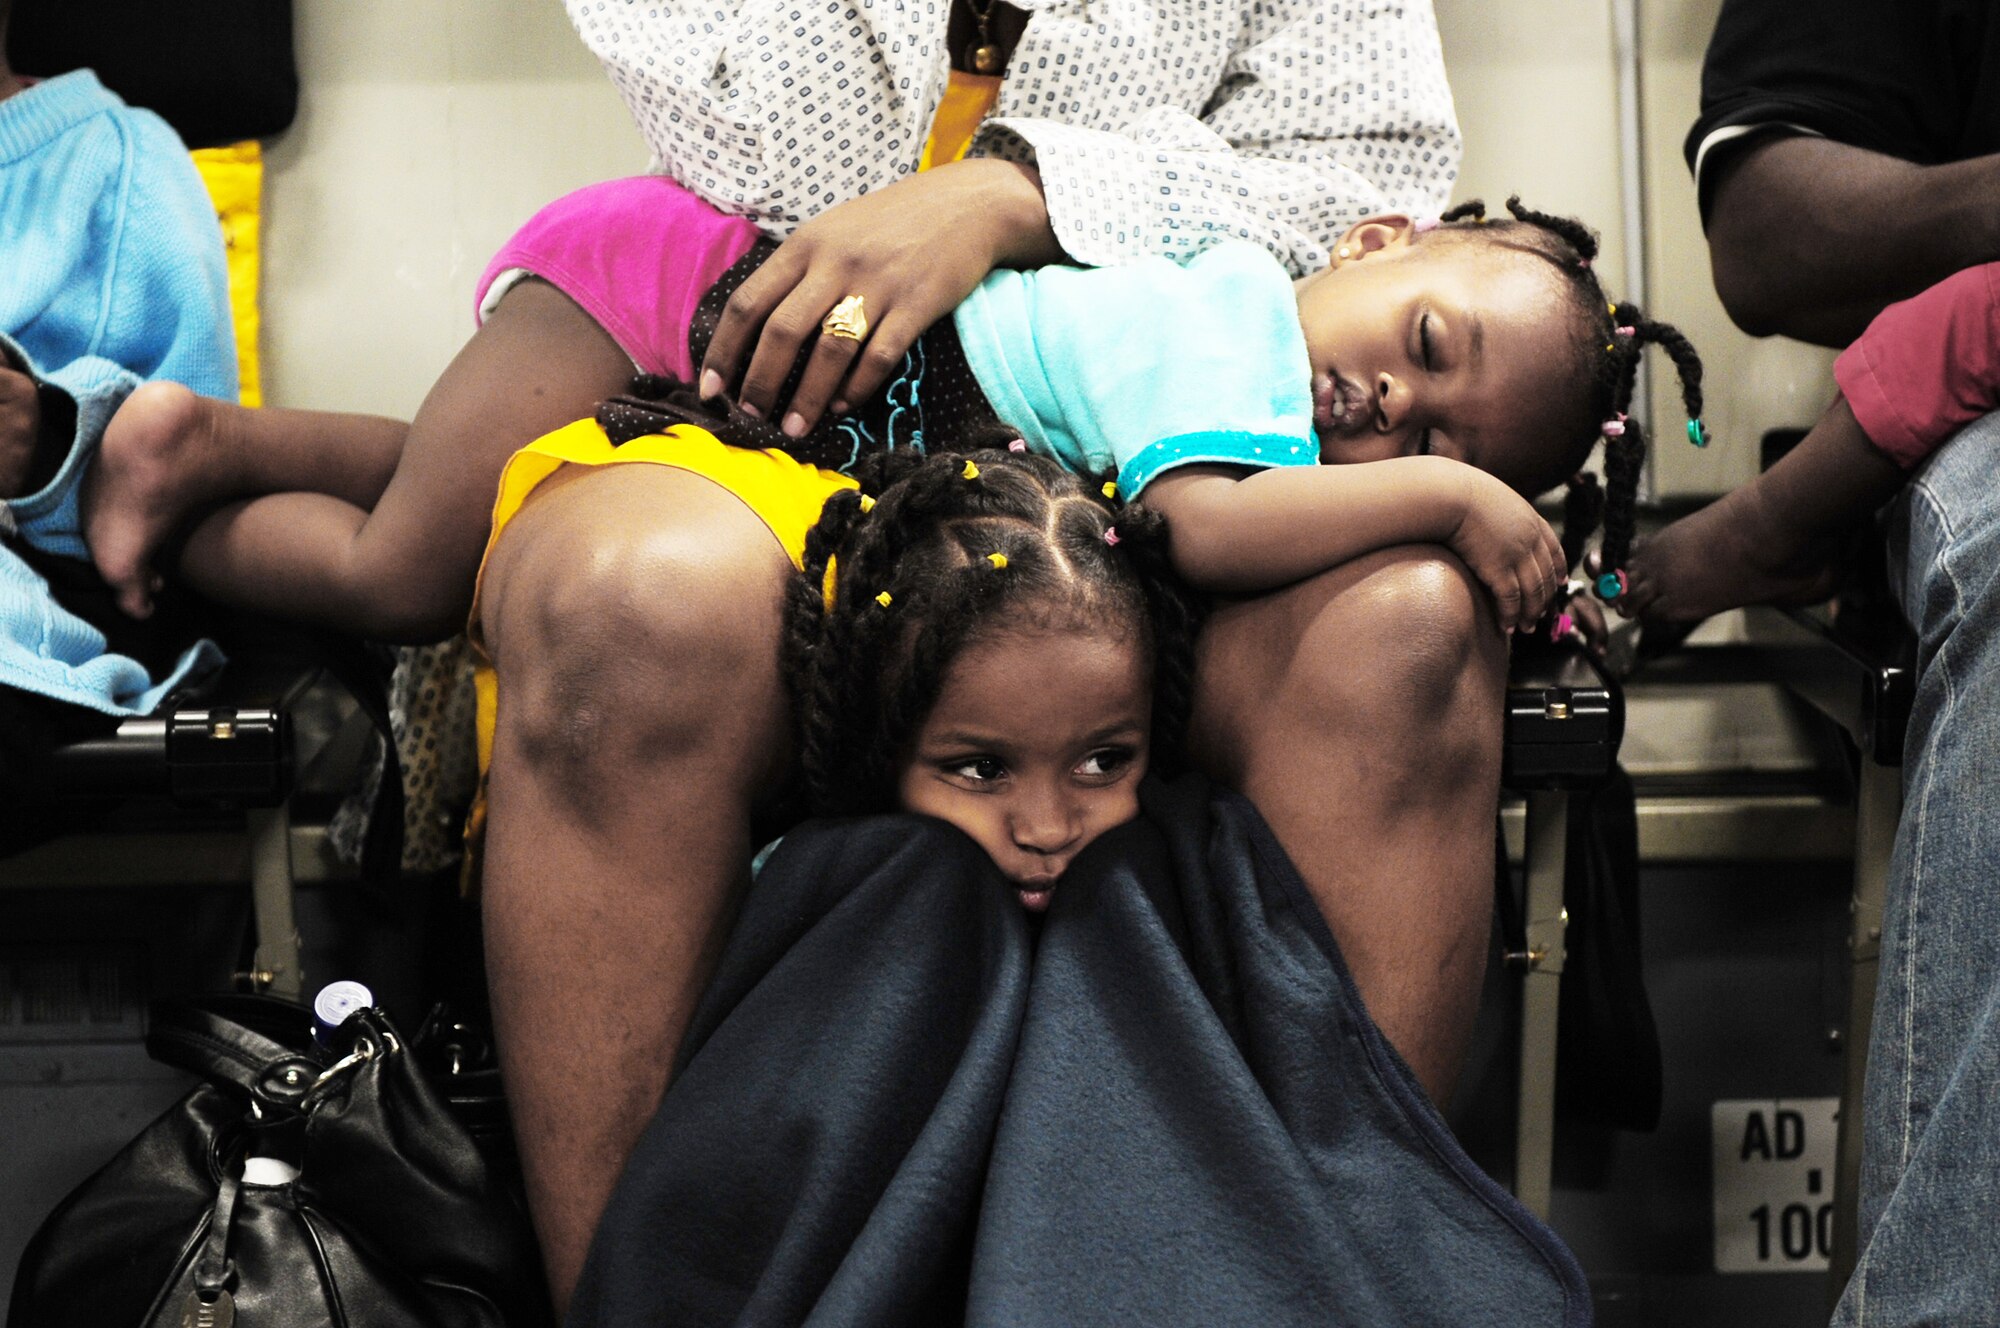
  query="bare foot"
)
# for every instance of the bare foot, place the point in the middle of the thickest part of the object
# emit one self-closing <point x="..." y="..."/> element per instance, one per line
<point x="1733" y="552"/>
<point x="154" y="469"/>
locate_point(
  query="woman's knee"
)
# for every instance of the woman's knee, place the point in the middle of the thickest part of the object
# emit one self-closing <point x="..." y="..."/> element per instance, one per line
<point x="1396" y="648"/>
<point x="1423" y="619"/>
<point x="615" y="645"/>
<point x="1407" y="627"/>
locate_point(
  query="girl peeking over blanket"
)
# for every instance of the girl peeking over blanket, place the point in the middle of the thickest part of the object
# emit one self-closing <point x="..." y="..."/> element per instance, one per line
<point x="989" y="640"/>
<point x="1419" y="389"/>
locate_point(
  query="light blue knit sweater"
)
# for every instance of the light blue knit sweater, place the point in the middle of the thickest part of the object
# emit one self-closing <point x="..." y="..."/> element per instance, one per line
<point x="114" y="274"/>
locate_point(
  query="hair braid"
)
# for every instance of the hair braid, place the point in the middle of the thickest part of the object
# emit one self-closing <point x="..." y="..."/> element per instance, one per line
<point x="1624" y="459"/>
<point x="1583" y="506"/>
<point x="1625" y="454"/>
<point x="1573" y="232"/>
<point x="1176" y="615"/>
<point x="814" y="640"/>
<point x="1687" y="364"/>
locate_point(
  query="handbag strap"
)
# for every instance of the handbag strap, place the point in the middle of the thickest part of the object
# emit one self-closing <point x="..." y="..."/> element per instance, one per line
<point x="236" y="1040"/>
<point x="215" y="1270"/>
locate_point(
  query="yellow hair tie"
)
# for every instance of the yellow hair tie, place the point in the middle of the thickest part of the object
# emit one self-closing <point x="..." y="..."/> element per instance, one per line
<point x="999" y="560"/>
<point x="971" y="472"/>
<point x="1110" y="488"/>
<point x="1611" y="348"/>
<point x="1613" y="308"/>
<point x="867" y="504"/>
<point x="884" y="599"/>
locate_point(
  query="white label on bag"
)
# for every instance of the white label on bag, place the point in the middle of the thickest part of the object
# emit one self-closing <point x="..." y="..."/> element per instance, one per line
<point x="1774" y="1164"/>
<point x="268" y="1171"/>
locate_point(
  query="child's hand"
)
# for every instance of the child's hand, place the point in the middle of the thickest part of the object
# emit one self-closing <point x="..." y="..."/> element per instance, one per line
<point x="1508" y="546"/>
<point x="20" y="423"/>
<point x="1587" y="620"/>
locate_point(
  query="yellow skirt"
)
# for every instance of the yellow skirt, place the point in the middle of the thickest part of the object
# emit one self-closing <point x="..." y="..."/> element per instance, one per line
<point x="786" y="495"/>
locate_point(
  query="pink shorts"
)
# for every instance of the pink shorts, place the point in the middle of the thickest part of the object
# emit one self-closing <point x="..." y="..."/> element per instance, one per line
<point x="636" y="254"/>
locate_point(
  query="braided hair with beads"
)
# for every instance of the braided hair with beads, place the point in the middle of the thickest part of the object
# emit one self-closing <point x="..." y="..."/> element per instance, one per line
<point x="930" y="552"/>
<point x="1609" y="337"/>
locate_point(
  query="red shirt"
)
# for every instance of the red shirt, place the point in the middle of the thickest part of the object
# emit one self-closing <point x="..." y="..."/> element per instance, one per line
<point x="1927" y="367"/>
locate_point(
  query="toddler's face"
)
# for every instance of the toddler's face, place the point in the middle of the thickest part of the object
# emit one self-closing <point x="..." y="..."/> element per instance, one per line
<point x="1450" y="348"/>
<point x="1035" y="747"/>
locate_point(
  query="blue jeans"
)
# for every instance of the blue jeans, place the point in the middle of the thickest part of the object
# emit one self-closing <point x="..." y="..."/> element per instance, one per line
<point x="1930" y="1169"/>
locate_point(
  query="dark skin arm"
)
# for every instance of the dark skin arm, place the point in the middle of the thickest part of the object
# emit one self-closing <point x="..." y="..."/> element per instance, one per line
<point x="20" y="429"/>
<point x="1812" y="238"/>
<point x="1244" y="534"/>
<point x="912" y="251"/>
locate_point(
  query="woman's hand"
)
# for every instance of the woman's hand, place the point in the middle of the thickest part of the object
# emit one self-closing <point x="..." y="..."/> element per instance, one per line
<point x="912" y="252"/>
<point x="1510" y="548"/>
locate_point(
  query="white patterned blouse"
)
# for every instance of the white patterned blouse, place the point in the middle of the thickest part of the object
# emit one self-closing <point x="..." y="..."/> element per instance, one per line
<point x="1158" y="126"/>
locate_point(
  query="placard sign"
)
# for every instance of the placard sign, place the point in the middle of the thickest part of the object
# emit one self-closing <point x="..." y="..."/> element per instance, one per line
<point x="1774" y="1161"/>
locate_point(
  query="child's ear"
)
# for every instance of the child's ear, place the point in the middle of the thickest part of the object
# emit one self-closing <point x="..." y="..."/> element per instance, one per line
<point x="1373" y="235"/>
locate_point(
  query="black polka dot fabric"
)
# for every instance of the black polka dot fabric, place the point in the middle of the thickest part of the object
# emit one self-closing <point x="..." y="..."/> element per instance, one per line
<point x="1158" y="126"/>
<point x="933" y="399"/>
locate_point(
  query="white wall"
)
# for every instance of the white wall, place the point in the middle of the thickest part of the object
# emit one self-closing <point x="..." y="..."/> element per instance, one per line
<point x="427" y="131"/>
<point x="1537" y="104"/>
<point x="1537" y="97"/>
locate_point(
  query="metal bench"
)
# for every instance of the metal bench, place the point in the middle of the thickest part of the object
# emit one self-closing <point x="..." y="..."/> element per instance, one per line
<point x="200" y="791"/>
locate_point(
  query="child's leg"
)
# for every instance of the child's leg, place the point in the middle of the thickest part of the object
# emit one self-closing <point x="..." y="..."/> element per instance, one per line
<point x="1775" y="540"/>
<point x="633" y="256"/>
<point x="168" y="454"/>
<point x="405" y="570"/>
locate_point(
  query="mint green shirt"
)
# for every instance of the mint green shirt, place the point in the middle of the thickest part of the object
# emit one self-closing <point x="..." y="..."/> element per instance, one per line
<point x="1132" y="370"/>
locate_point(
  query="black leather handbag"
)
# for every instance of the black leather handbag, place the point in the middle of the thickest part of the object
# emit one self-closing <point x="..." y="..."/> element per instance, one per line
<point x="295" y="1186"/>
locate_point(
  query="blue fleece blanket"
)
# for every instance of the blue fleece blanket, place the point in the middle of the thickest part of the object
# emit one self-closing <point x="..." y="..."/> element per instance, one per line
<point x="902" y="1101"/>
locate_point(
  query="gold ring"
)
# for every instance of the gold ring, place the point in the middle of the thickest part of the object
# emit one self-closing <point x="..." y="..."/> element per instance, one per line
<point x="847" y="320"/>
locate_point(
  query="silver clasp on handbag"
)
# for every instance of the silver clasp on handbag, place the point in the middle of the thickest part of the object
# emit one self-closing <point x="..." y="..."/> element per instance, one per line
<point x="365" y="1050"/>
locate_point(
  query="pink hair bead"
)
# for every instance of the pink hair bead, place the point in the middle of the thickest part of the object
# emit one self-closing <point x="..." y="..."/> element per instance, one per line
<point x="1018" y="445"/>
<point x="1111" y="534"/>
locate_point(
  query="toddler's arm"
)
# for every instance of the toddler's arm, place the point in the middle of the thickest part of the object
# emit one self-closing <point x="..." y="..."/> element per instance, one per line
<point x="1239" y="534"/>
